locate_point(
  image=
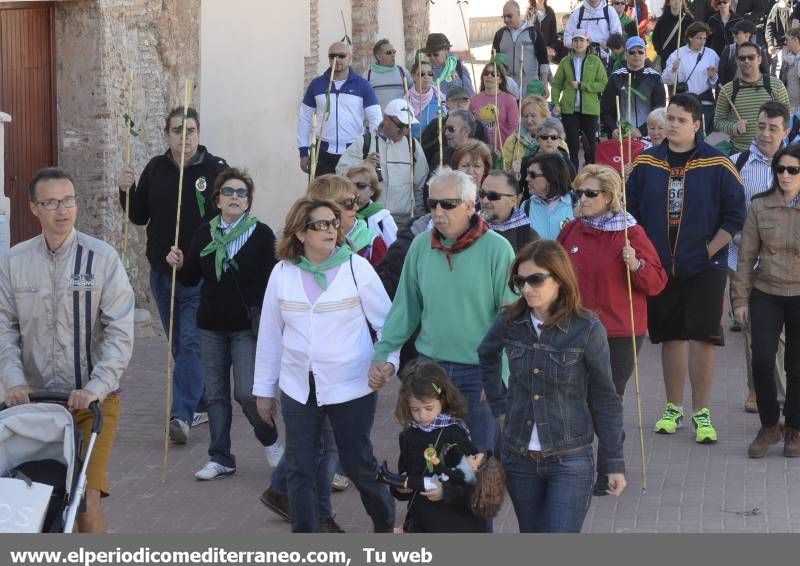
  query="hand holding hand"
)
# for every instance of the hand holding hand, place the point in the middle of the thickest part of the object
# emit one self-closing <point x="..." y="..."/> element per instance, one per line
<point x="80" y="399"/>
<point x="175" y="257"/>
<point x="379" y="374"/>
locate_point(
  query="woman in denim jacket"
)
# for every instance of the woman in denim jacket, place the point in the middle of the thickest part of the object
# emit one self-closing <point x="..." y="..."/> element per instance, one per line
<point x="559" y="395"/>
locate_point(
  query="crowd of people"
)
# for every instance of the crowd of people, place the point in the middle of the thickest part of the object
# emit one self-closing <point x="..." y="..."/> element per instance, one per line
<point x="480" y="245"/>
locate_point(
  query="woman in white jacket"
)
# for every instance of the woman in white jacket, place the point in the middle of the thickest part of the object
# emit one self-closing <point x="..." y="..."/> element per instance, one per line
<point x="314" y="345"/>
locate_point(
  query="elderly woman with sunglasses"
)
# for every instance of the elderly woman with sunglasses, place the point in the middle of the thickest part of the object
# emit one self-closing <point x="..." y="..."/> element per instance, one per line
<point x="559" y="394"/>
<point x="550" y="137"/>
<point x="233" y="256"/>
<point x="601" y="255"/>
<point x="766" y="293"/>
<point x="494" y="106"/>
<point x="320" y="290"/>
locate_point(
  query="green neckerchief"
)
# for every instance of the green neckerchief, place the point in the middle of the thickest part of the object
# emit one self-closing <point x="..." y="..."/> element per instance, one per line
<point x="377" y="68"/>
<point x="448" y="69"/>
<point x="372" y="208"/>
<point x="360" y="235"/>
<point x="219" y="242"/>
<point x="318" y="271"/>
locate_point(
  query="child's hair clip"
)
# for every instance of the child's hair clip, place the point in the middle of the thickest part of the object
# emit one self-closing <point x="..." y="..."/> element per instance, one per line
<point x="436" y="388"/>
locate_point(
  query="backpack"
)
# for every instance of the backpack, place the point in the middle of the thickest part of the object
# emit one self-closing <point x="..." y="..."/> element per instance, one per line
<point x="742" y="159"/>
<point x="794" y="129"/>
<point x="498" y="37"/>
<point x="368" y="141"/>
<point x="401" y="69"/>
<point x="605" y="16"/>
<point x="737" y="84"/>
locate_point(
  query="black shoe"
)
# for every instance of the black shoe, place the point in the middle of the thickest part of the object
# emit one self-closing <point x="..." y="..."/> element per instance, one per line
<point x="278" y="503"/>
<point x="390" y="478"/>
<point x="601" y="487"/>
<point x="328" y="525"/>
<point x="735" y="327"/>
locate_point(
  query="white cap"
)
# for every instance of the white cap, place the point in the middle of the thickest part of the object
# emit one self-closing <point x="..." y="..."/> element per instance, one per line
<point x="401" y="110"/>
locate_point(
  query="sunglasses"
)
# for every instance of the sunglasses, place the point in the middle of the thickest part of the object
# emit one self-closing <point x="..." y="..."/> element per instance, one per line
<point x="445" y="203"/>
<point x="791" y="169"/>
<point x="361" y="185"/>
<point x="551" y="137"/>
<point x="492" y="195"/>
<point x="751" y="57"/>
<point x="426" y="74"/>
<point x="619" y="3"/>
<point x="534" y="280"/>
<point x="533" y="174"/>
<point x="451" y="129"/>
<point x="398" y="124"/>
<point x="489" y="74"/>
<point x="588" y="193"/>
<point x="230" y="191"/>
<point x="348" y="203"/>
<point x="337" y="55"/>
<point x="390" y="52"/>
<point x="636" y="52"/>
<point x="323" y="225"/>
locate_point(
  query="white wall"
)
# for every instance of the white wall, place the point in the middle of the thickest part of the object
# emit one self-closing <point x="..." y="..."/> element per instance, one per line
<point x="331" y="28"/>
<point x="390" y="26"/>
<point x="446" y="19"/>
<point x="251" y="87"/>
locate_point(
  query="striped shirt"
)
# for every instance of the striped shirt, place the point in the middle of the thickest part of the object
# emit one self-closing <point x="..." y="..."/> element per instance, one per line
<point x="749" y="99"/>
<point x="236" y="245"/>
<point x="757" y="178"/>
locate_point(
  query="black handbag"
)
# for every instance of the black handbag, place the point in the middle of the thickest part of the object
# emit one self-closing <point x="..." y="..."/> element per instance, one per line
<point x="253" y="313"/>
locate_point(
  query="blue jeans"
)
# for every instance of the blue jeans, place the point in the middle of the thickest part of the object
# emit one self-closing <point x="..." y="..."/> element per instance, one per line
<point x="352" y="423"/>
<point x="187" y="375"/>
<point x="220" y="351"/>
<point x="329" y="458"/>
<point x="550" y="494"/>
<point x="482" y="425"/>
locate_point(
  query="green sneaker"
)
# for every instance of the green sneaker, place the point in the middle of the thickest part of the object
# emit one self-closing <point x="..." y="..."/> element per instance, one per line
<point x="670" y="420"/>
<point x="705" y="432"/>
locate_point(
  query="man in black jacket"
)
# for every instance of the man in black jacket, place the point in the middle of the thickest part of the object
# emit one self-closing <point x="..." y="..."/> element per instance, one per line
<point x="498" y="196"/>
<point x="775" y="32"/>
<point x="154" y="202"/>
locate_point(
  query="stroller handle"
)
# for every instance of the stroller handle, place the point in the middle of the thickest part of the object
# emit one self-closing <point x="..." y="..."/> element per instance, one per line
<point x="61" y="399"/>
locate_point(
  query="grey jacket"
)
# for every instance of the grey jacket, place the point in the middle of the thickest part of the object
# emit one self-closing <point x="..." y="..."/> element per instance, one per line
<point x="66" y="317"/>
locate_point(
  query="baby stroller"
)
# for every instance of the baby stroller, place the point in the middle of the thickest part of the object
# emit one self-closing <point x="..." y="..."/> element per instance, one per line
<point x="40" y="443"/>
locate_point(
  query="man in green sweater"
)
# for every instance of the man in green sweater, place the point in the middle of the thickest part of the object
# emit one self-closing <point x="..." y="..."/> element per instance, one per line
<point x="454" y="282"/>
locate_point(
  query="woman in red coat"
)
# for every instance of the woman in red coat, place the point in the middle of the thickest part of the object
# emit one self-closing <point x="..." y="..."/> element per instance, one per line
<point x="595" y="242"/>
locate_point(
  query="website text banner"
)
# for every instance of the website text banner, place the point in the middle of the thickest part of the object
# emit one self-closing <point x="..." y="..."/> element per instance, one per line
<point x="394" y="550"/>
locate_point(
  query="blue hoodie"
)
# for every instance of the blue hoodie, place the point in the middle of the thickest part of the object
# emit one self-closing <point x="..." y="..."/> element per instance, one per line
<point x="713" y="198"/>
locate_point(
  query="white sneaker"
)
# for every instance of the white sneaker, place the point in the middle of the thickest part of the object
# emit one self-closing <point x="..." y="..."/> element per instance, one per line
<point x="274" y="454"/>
<point x="199" y="418"/>
<point x="178" y="431"/>
<point x="213" y="470"/>
<point x="340" y="482"/>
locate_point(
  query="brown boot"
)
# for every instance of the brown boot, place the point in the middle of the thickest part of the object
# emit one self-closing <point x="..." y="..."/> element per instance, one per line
<point x="791" y="442"/>
<point x="766" y="437"/>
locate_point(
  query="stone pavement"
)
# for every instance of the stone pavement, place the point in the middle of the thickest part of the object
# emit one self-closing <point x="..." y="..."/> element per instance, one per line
<point x="690" y="487"/>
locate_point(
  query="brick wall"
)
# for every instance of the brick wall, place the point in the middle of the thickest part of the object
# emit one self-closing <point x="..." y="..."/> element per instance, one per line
<point x="312" y="60"/>
<point x="364" y="33"/>
<point x="416" y="24"/>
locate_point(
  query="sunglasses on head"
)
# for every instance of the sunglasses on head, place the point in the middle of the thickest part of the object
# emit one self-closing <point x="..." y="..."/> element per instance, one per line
<point x="323" y="225"/>
<point x="230" y="191"/>
<point x="534" y="280"/>
<point x="492" y="195"/>
<point x="588" y="193"/>
<point x="337" y="55"/>
<point x="791" y="169"/>
<point x="445" y="203"/>
<point x="751" y="57"/>
<point x="348" y="203"/>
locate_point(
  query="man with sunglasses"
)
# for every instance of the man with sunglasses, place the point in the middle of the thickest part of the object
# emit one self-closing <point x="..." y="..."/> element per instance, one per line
<point x="457" y="99"/>
<point x="452" y="285"/>
<point x="689" y="199"/>
<point x="342" y="107"/>
<point x="746" y="94"/>
<point x="154" y="202"/>
<point x="385" y="75"/>
<point x="389" y="152"/>
<point x="499" y="209"/>
<point x="647" y="91"/>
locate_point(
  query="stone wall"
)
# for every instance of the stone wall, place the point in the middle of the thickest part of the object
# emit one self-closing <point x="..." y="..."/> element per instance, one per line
<point x="364" y="33"/>
<point x="312" y="60"/>
<point x="98" y="43"/>
<point x="416" y="24"/>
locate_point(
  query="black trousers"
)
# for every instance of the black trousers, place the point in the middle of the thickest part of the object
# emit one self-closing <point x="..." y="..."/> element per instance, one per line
<point x="574" y="124"/>
<point x="326" y="163"/>
<point x="768" y="316"/>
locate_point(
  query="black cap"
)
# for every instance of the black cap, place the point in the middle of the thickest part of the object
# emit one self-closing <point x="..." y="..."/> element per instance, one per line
<point x="456" y="93"/>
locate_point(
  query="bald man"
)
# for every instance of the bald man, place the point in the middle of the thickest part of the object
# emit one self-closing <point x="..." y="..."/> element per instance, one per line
<point x="352" y="102"/>
<point x="516" y="36"/>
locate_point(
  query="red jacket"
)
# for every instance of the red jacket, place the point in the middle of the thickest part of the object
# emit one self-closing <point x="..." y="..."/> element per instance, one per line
<point x="597" y="259"/>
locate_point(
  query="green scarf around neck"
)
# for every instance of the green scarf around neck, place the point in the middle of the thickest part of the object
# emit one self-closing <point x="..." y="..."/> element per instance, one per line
<point x="360" y="236"/>
<point x="219" y="242"/>
<point x="372" y="208"/>
<point x="447" y="71"/>
<point x="378" y="68"/>
<point x="318" y="271"/>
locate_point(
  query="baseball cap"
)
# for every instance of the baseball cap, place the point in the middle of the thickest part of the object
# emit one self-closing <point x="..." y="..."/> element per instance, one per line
<point x="457" y="93"/>
<point x="580" y="33"/>
<point x="634" y="41"/>
<point x="400" y="109"/>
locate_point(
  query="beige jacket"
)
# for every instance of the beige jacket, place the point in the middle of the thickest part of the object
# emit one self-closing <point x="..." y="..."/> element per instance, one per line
<point x="66" y="317"/>
<point x="770" y="238"/>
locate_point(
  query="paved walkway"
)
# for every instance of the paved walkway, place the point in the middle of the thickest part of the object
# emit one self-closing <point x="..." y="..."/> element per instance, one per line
<point x="690" y="487"/>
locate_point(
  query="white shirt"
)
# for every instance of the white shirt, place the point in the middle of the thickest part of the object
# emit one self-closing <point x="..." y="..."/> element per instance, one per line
<point x="698" y="80"/>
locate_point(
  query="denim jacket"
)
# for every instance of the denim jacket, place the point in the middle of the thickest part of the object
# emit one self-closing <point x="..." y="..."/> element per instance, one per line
<point x="561" y="380"/>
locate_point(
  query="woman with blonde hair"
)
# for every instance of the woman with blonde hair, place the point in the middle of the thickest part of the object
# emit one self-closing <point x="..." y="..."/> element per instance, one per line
<point x="534" y="112"/>
<point x="601" y="255"/>
<point x="378" y="219"/>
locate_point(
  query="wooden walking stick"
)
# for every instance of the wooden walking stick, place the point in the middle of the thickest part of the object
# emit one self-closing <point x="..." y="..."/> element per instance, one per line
<point x="498" y="140"/>
<point x="519" y="110"/>
<point x="678" y="49"/>
<point x="410" y="143"/>
<point x="325" y="115"/>
<point x="466" y="34"/>
<point x="439" y="118"/>
<point x="630" y="132"/>
<point x="186" y="92"/>
<point x="630" y="304"/>
<point x="733" y="107"/>
<point x="131" y="134"/>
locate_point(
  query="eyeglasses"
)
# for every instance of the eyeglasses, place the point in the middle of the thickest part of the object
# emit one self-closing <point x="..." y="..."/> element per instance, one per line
<point x="337" y="55"/>
<point x="636" y="52"/>
<point x="361" y="185"/>
<point x="551" y="137"/>
<point x="534" y="280"/>
<point x="779" y="169"/>
<point x="492" y="195"/>
<point x="619" y="3"/>
<point x="179" y="131"/>
<point x="445" y="203"/>
<point x="426" y="74"/>
<point x="348" y="203"/>
<point x="398" y="124"/>
<point x="451" y="129"/>
<point x="390" y="52"/>
<point x="52" y="203"/>
<point x="588" y="193"/>
<point x="489" y="74"/>
<point x="230" y="191"/>
<point x="323" y="225"/>
<point x="751" y="57"/>
<point x="533" y="174"/>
